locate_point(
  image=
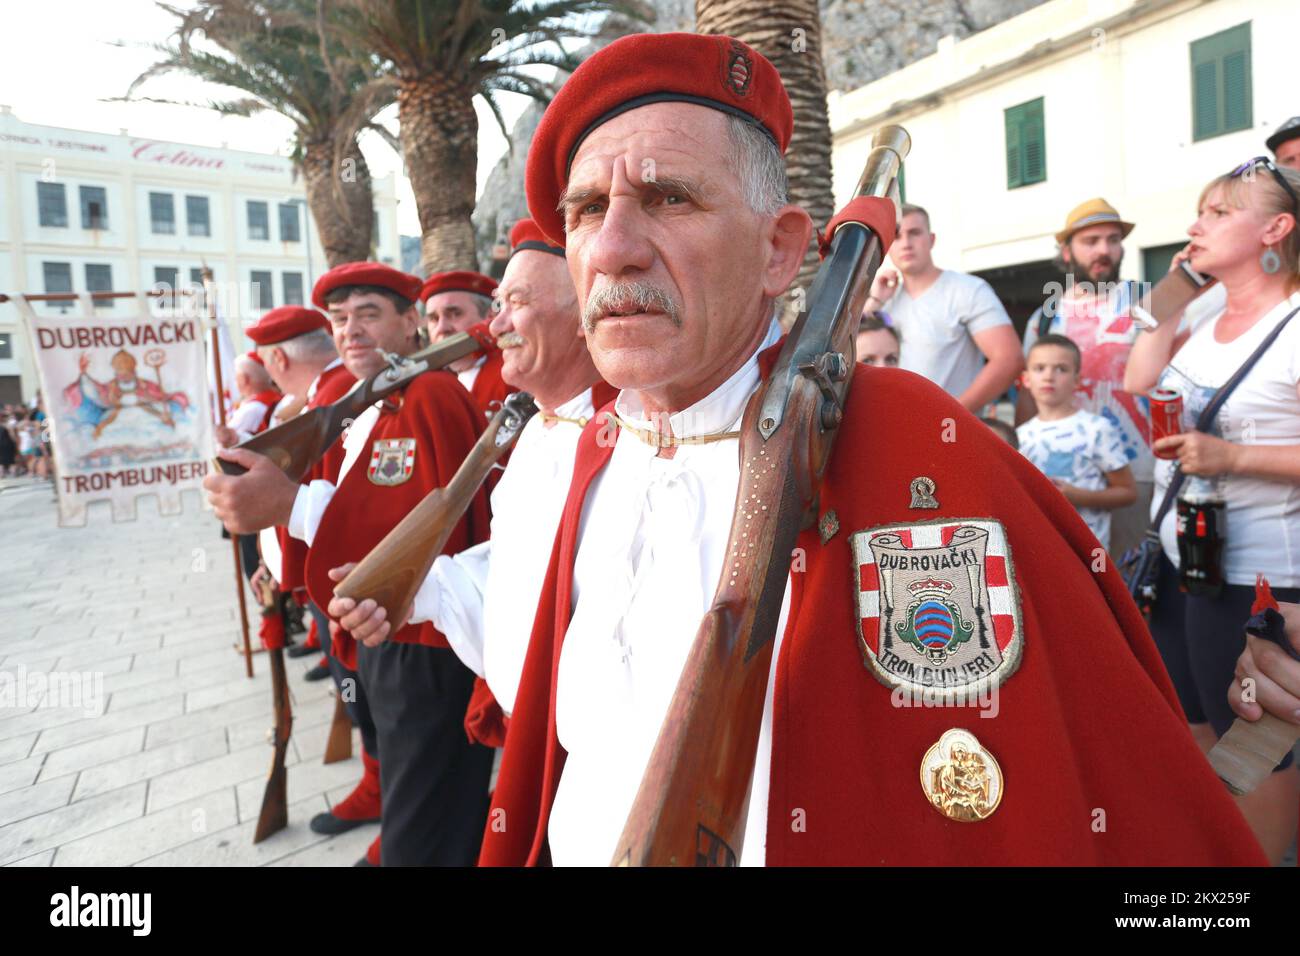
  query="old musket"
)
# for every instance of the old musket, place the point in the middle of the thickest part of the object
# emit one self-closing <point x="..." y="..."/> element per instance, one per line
<point x="339" y="745"/>
<point x="274" y="815"/>
<point x="692" y="802"/>
<point x="299" y="443"/>
<point x="392" y="572"/>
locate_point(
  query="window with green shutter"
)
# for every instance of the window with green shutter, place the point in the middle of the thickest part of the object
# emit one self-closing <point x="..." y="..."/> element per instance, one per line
<point x="1221" y="96"/>
<point x="1026" y="144"/>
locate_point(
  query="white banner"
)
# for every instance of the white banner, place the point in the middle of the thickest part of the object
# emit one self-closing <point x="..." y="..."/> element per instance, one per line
<point x="127" y="404"/>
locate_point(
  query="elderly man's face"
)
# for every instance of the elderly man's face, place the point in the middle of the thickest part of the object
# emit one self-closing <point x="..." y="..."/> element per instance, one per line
<point x="366" y="323"/>
<point x="671" y="266"/>
<point x="447" y="313"/>
<point x="537" y="311"/>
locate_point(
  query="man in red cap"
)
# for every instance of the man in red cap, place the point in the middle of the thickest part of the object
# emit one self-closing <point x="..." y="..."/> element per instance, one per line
<point x="453" y="301"/>
<point x="484" y="599"/>
<point x="298" y="349"/>
<point x="258" y="398"/>
<point x="433" y="781"/>
<point x="663" y="155"/>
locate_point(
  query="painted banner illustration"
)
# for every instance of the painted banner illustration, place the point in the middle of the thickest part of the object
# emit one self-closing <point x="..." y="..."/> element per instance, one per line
<point x="127" y="404"/>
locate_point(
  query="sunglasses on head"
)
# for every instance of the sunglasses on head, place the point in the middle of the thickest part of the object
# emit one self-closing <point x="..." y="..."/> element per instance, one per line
<point x="1272" y="168"/>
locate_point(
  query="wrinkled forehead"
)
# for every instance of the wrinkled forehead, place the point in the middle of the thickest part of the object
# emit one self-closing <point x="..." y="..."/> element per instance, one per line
<point x="531" y="270"/>
<point x="681" y="139"/>
<point x="451" y="301"/>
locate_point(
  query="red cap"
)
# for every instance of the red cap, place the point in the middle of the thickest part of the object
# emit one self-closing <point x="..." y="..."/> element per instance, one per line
<point x="714" y="71"/>
<point x="474" y="282"/>
<point x="526" y="234"/>
<point x="286" y="322"/>
<point x="252" y="354"/>
<point x="366" y="273"/>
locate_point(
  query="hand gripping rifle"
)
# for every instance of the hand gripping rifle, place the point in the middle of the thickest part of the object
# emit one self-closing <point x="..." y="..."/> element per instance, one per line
<point x="693" y="799"/>
<point x="274" y="815"/>
<point x="299" y="443"/>
<point x="394" y="570"/>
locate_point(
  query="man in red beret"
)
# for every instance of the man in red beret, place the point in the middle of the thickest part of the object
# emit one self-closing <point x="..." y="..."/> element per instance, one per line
<point x="453" y="301"/>
<point x="484" y="599"/>
<point x="433" y="781"/>
<point x="663" y="153"/>
<point x="258" y="397"/>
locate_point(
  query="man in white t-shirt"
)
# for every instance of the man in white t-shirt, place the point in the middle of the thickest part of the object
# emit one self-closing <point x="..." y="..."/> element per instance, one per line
<point x="955" y="332"/>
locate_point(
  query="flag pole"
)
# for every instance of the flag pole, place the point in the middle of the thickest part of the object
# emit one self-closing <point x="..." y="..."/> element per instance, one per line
<point x="210" y="307"/>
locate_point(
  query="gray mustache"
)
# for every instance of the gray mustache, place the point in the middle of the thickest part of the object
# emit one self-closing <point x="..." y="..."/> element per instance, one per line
<point x="629" y="296"/>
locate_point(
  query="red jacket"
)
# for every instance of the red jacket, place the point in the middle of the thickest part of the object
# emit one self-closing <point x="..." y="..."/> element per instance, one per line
<point x="422" y="435"/>
<point x="334" y="384"/>
<point x="1088" y="722"/>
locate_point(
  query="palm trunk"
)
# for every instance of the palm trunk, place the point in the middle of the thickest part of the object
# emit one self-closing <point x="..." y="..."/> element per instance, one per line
<point x="789" y="34"/>
<point x="440" y="146"/>
<point x="342" y="201"/>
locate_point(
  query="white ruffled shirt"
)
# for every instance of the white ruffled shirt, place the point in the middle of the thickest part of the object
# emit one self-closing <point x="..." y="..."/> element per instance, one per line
<point x="651" y="549"/>
<point x="484" y="599"/>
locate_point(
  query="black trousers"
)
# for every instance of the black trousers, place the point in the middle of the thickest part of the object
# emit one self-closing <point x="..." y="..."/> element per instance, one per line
<point x="1200" y="639"/>
<point x="348" y="684"/>
<point x="434" y="782"/>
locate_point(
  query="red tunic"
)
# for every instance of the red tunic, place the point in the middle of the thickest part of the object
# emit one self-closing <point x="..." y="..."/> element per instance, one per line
<point x="1088" y="722"/>
<point x="334" y="384"/>
<point x="422" y="435"/>
<point x="270" y="397"/>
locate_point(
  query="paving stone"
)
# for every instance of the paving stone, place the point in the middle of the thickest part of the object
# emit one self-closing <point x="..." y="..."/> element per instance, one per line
<point x="90" y="753"/>
<point x="342" y="850"/>
<point x="20" y="773"/>
<point x="44" y="858"/>
<point x="234" y="846"/>
<point x="301" y="781"/>
<point x="188" y="725"/>
<point x="150" y="764"/>
<point x="34" y="800"/>
<point x="232" y="769"/>
<point x="16" y="748"/>
<point x="90" y="728"/>
<point x="68" y="823"/>
<point x="139" y="839"/>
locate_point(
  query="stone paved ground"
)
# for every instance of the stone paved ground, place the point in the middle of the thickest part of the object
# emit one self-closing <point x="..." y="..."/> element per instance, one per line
<point x="170" y="770"/>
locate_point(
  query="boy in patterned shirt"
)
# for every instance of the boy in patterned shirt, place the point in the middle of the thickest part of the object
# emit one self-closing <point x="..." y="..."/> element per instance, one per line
<point x="1082" y="453"/>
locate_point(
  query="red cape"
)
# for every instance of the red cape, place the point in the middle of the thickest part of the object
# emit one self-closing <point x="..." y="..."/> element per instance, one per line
<point x="435" y="411"/>
<point x="1089" y="722"/>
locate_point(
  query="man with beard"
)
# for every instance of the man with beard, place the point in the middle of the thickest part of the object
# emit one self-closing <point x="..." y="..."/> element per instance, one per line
<point x="1092" y="309"/>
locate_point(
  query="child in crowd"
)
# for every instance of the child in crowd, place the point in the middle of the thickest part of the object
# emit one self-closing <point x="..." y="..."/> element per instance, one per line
<point x="1081" y="452"/>
<point x="877" y="341"/>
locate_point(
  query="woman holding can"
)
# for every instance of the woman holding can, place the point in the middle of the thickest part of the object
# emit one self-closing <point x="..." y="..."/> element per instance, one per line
<point x="1238" y="513"/>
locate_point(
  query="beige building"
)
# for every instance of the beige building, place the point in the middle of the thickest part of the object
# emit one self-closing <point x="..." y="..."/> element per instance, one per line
<point x="1138" y="101"/>
<point x="83" y="211"/>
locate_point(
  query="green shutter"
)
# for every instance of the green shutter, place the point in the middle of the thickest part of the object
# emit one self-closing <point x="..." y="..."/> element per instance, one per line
<point x="1014" y="175"/>
<point x="1221" y="85"/>
<point x="1026" y="144"/>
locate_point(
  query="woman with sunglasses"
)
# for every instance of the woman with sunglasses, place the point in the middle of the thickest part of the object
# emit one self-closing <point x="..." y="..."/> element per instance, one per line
<point x="1246" y="236"/>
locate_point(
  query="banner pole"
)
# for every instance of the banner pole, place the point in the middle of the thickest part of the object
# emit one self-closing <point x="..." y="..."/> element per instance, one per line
<point x="210" y="307"/>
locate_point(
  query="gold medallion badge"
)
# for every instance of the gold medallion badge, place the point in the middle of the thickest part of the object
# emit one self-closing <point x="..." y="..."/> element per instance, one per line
<point x="960" y="778"/>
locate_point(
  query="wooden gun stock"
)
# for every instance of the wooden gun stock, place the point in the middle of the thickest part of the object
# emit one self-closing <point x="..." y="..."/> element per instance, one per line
<point x="274" y="815"/>
<point x="393" y="571"/>
<point x="339" y="745"/>
<point x="299" y="443"/>
<point x="694" y="797"/>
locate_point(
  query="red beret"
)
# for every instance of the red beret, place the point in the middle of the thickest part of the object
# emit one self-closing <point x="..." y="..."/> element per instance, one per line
<point x="527" y="235"/>
<point x="366" y="273"/>
<point x="252" y="354"/>
<point x="286" y="322"/>
<point x="715" y="71"/>
<point x="474" y="282"/>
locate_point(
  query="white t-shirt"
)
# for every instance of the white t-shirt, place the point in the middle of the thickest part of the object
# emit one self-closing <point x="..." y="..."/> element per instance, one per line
<point x="1263" y="516"/>
<point x="937" y="328"/>
<point x="1079" y="450"/>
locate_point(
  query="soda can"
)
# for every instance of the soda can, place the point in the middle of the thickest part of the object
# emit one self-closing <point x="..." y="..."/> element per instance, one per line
<point x="1166" y="416"/>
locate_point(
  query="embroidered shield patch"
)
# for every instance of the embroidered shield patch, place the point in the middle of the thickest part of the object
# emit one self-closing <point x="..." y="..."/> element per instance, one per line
<point x="937" y="605"/>
<point x="392" y="460"/>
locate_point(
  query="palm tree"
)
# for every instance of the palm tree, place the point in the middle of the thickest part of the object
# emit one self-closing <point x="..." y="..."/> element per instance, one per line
<point x="276" y="54"/>
<point x="789" y="34"/>
<point x="443" y="53"/>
